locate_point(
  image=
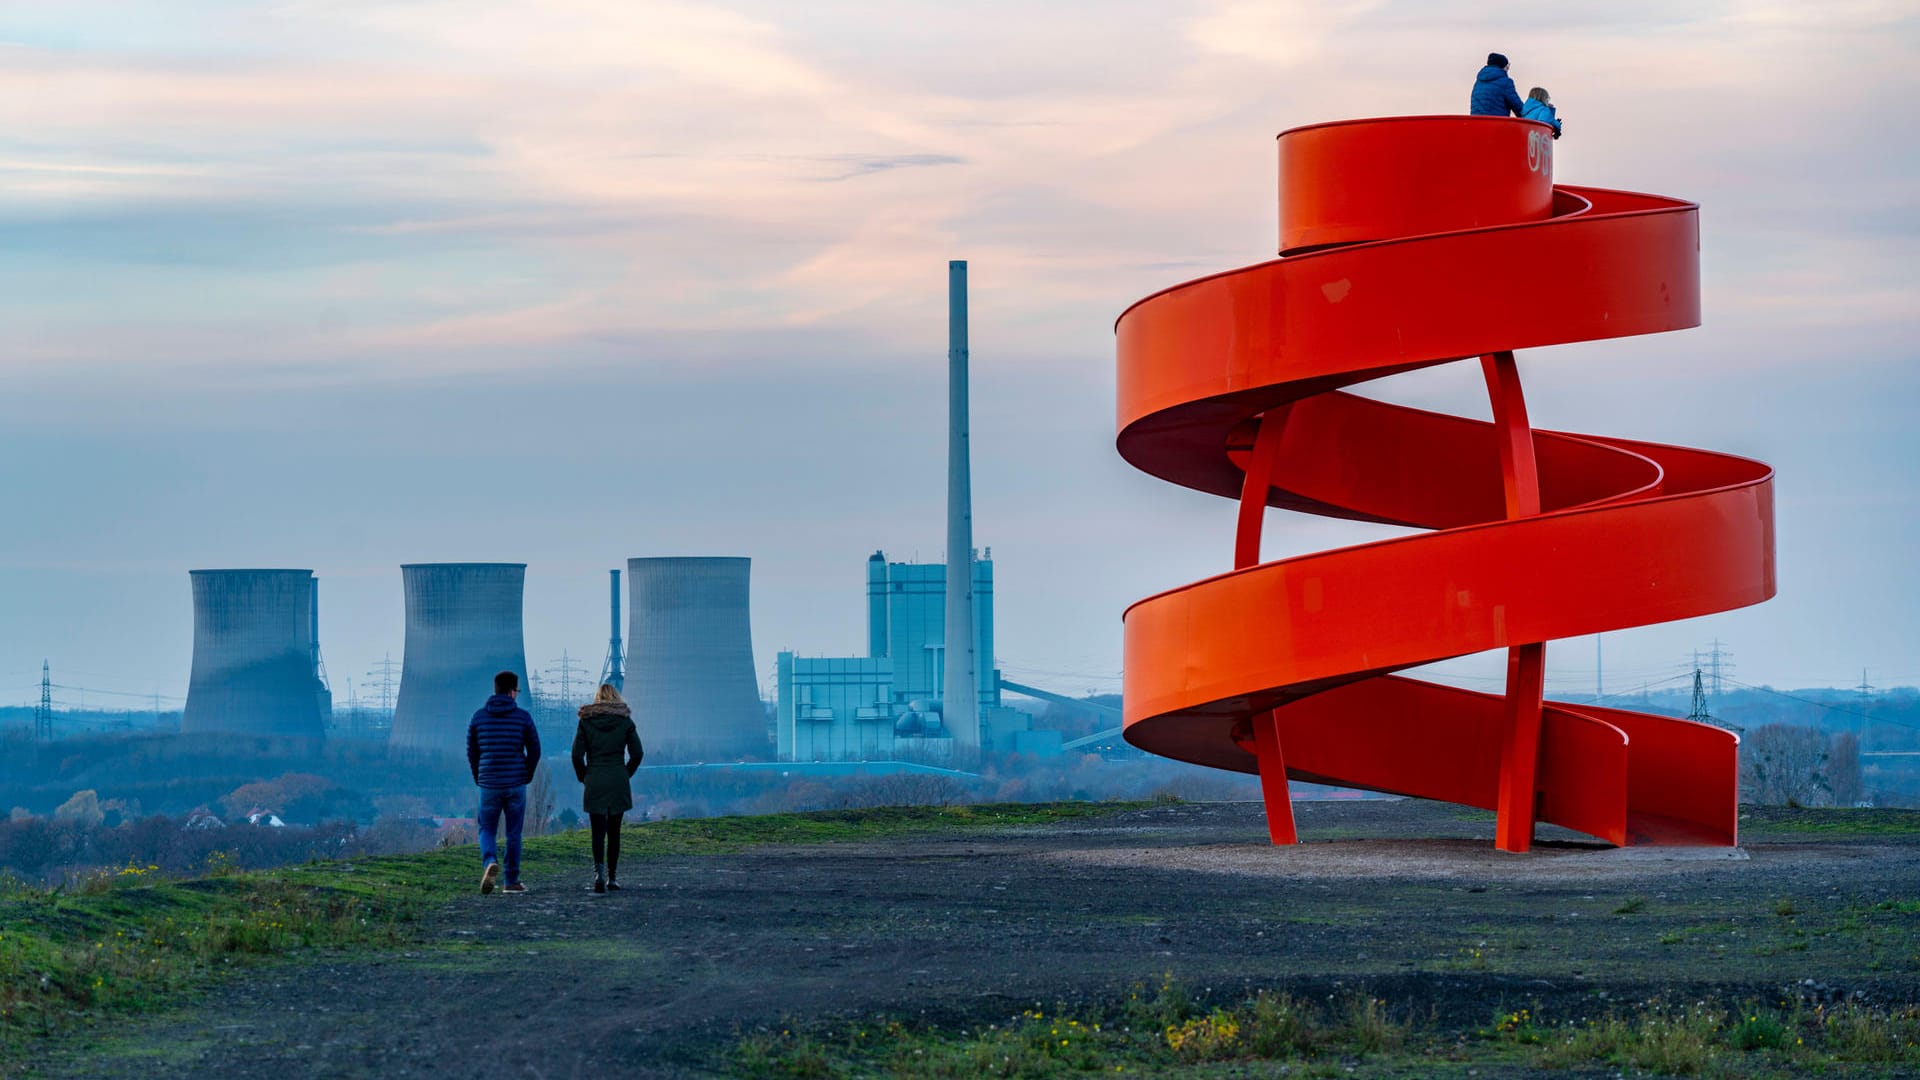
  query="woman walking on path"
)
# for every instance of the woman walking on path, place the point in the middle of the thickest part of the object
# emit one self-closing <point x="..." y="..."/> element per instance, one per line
<point x="606" y="750"/>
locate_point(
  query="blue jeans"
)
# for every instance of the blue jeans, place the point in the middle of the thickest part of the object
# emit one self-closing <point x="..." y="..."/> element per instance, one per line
<point x="494" y="801"/>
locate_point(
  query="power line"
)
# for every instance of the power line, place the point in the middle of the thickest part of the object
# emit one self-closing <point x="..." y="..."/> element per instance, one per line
<point x="567" y="668"/>
<point x="382" y="673"/>
<point x="1697" y="711"/>
<point x="43" y="714"/>
<point x="142" y="695"/>
<point x="1718" y="664"/>
<point x="1644" y="687"/>
<point x="1824" y="705"/>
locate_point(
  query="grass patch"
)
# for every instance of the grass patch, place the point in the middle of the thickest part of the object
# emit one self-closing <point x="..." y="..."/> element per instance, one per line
<point x="133" y="940"/>
<point x="1160" y="1033"/>
<point x="1706" y="1039"/>
<point x="1171" y="1032"/>
<point x="721" y="835"/>
<point x="1677" y="1043"/>
<point x="1767" y="821"/>
<point x="127" y="942"/>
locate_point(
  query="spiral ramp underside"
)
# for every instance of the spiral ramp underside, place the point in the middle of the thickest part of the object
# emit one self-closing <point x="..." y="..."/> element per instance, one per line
<point x="1406" y="243"/>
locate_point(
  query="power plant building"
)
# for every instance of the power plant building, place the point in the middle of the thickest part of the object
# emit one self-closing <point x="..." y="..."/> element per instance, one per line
<point x="893" y="702"/>
<point x="689" y="661"/>
<point x="889" y="703"/>
<point x="254" y="655"/>
<point x="463" y="626"/>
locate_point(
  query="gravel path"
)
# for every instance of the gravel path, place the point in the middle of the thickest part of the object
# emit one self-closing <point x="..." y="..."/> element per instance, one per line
<point x="1405" y="899"/>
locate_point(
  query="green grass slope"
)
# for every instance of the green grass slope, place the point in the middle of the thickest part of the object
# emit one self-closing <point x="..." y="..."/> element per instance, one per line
<point x="133" y="940"/>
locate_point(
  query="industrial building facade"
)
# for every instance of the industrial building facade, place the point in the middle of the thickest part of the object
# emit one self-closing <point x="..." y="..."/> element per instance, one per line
<point x="887" y="704"/>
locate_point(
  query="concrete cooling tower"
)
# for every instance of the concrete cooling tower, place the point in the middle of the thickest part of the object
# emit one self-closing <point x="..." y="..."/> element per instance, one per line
<point x="463" y="625"/>
<point x="690" y="676"/>
<point x="253" y="653"/>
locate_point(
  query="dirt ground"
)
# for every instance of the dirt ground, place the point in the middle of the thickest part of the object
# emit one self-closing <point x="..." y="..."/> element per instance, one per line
<point x="1404" y="899"/>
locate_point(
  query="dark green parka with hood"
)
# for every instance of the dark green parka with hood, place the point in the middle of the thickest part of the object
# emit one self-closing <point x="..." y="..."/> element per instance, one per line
<point x="606" y="750"/>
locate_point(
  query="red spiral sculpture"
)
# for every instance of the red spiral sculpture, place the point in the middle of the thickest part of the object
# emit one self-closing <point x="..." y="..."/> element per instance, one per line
<point x="1406" y="243"/>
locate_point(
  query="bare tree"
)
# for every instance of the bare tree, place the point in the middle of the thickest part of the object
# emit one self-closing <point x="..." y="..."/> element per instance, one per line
<point x="903" y="789"/>
<point x="1843" y="769"/>
<point x="1785" y="765"/>
<point x="539" y="801"/>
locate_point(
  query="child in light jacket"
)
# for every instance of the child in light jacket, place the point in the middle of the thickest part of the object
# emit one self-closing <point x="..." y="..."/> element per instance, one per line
<point x="1539" y="107"/>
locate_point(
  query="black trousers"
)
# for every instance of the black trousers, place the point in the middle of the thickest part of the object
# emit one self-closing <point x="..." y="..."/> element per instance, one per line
<point x="606" y="839"/>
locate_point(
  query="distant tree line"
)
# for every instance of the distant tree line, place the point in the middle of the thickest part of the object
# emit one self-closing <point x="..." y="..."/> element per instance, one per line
<point x="78" y="840"/>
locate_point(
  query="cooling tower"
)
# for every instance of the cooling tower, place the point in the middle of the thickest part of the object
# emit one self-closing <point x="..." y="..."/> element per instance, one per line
<point x="690" y="676"/>
<point x="253" y="654"/>
<point x="463" y="626"/>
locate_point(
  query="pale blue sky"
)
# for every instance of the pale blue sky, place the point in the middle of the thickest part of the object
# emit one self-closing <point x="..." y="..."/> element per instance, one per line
<point x="346" y="284"/>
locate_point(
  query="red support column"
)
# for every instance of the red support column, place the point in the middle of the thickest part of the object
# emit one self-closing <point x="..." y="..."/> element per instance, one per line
<point x="1519" y="475"/>
<point x="1273" y="779"/>
<point x="1520" y="749"/>
<point x="1526" y="664"/>
<point x="1246" y="552"/>
<point x="1255" y="488"/>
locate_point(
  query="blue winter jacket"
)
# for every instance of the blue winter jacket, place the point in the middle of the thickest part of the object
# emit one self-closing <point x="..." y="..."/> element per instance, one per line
<point x="1541" y="111"/>
<point x="1493" y="93"/>
<point x="502" y="745"/>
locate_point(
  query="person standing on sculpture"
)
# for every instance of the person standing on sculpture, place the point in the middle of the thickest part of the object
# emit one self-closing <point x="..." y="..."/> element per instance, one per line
<point x="606" y="751"/>
<point x="1493" y="90"/>
<point x="503" y="749"/>
<point x="1539" y="106"/>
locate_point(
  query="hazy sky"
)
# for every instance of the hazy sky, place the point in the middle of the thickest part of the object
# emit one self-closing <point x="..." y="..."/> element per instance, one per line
<point x="343" y="284"/>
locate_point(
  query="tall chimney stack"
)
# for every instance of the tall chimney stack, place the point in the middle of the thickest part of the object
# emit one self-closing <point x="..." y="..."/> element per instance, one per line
<point x="313" y="624"/>
<point x="960" y="704"/>
<point x="614" y="672"/>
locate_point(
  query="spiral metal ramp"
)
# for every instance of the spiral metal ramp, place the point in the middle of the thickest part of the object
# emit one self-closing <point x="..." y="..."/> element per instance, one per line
<point x="1406" y="243"/>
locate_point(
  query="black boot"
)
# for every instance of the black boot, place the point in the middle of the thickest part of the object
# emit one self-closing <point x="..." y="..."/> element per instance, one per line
<point x="600" y="878"/>
<point x="612" y="885"/>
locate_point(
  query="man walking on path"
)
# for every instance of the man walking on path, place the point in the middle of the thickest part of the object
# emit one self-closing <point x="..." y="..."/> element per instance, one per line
<point x="1493" y="90"/>
<point x="502" y="749"/>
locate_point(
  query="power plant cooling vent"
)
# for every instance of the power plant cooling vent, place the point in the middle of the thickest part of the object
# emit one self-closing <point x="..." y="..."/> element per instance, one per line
<point x="463" y="626"/>
<point x="690" y="675"/>
<point x="253" y="655"/>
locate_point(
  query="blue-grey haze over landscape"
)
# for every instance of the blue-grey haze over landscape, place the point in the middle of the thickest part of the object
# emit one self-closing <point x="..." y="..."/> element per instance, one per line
<point x="342" y="284"/>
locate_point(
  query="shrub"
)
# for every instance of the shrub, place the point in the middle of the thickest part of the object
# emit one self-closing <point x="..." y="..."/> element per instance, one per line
<point x="1278" y="1026"/>
<point x="1759" y="1031"/>
<point x="1856" y="1034"/>
<point x="1213" y="1037"/>
<point x="1368" y="1027"/>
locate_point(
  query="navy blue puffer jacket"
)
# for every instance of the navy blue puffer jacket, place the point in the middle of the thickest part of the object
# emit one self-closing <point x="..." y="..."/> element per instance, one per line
<point x="1493" y="93"/>
<point x="502" y="745"/>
